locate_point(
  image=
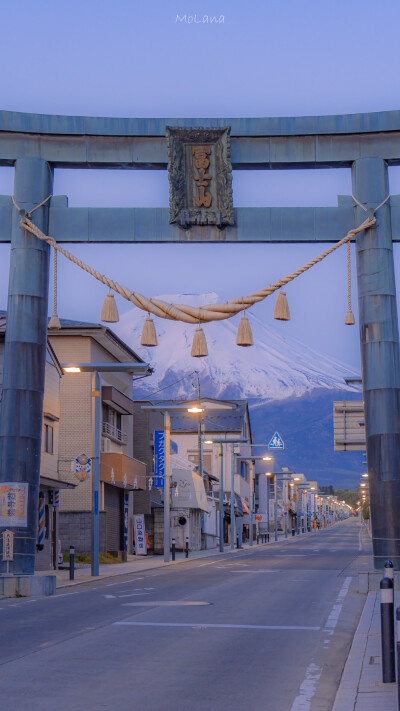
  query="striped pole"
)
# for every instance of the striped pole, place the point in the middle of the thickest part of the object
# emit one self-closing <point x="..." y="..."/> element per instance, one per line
<point x="387" y="631"/>
<point x="40" y="543"/>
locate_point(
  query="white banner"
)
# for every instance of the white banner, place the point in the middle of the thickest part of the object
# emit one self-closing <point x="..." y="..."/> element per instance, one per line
<point x="140" y="535"/>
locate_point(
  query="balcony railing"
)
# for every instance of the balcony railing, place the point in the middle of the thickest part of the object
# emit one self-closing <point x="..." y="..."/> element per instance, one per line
<point x="114" y="433"/>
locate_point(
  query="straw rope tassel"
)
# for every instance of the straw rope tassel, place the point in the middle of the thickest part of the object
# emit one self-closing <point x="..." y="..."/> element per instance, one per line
<point x="54" y="321"/>
<point x="244" y="335"/>
<point x="199" y="346"/>
<point x="109" y="312"/>
<point x="349" y="320"/>
<point x="149" y="335"/>
<point x="281" y="311"/>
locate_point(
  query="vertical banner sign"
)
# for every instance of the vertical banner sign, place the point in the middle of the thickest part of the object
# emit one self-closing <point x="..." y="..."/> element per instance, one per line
<point x="140" y="535"/>
<point x="159" y="459"/>
<point x="13" y="504"/>
<point x="126" y="519"/>
<point x="8" y="545"/>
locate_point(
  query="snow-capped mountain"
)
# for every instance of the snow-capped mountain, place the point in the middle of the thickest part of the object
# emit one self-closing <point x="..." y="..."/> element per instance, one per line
<point x="275" y="368"/>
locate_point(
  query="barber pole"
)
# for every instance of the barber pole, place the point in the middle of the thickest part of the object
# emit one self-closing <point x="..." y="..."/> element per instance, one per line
<point x="40" y="542"/>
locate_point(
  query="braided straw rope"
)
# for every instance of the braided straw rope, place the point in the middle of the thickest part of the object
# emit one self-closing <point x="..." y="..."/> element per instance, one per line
<point x="183" y="312"/>
<point x="348" y="277"/>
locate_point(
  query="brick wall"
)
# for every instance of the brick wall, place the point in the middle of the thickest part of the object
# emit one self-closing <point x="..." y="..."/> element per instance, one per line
<point x="75" y="529"/>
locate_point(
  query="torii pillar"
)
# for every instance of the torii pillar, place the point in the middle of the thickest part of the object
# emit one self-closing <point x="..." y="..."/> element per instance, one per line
<point x="380" y="358"/>
<point x="25" y="353"/>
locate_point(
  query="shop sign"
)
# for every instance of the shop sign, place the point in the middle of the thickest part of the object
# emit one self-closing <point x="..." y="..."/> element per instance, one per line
<point x="13" y="504"/>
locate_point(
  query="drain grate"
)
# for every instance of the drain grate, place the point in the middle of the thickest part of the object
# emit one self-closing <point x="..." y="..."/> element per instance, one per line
<point x="375" y="660"/>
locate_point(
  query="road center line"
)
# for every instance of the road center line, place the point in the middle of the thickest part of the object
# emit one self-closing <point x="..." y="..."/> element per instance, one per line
<point x="201" y="625"/>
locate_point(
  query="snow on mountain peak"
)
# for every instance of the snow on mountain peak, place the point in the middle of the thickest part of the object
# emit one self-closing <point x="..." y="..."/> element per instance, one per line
<point x="275" y="368"/>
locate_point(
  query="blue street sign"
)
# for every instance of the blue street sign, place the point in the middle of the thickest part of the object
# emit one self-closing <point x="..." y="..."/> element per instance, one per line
<point x="276" y="442"/>
<point x="159" y="459"/>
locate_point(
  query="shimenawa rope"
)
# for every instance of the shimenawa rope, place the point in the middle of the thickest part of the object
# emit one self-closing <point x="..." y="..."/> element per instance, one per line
<point x="184" y="312"/>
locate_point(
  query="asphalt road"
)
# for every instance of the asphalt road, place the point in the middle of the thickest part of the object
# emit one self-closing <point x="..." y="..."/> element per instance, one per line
<point x="266" y="629"/>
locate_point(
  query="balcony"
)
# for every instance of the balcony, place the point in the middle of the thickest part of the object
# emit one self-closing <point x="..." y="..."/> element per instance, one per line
<point x="114" y="433"/>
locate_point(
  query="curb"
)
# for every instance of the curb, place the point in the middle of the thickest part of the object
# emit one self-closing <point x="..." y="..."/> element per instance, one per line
<point x="346" y="695"/>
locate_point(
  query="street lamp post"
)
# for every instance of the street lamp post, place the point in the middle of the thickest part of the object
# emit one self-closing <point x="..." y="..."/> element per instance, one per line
<point x="252" y="459"/>
<point x="220" y="442"/>
<point x="96" y="369"/>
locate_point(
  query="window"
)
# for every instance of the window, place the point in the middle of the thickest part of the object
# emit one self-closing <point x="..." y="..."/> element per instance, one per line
<point x="48" y="439"/>
<point x="112" y="417"/>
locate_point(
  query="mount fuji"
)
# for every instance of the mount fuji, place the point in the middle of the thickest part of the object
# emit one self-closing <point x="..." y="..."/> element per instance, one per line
<point x="289" y="386"/>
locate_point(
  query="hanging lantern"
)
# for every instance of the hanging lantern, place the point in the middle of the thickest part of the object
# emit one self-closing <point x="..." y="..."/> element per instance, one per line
<point x="149" y="336"/>
<point x="244" y="335"/>
<point x="199" y="346"/>
<point x="281" y="312"/>
<point x="349" y="320"/>
<point x="109" y="312"/>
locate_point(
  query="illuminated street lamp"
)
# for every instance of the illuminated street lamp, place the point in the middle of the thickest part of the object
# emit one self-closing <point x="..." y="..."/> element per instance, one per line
<point x="142" y="369"/>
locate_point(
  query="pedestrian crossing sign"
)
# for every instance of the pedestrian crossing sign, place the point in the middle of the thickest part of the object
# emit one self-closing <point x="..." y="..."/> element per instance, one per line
<point x="276" y="442"/>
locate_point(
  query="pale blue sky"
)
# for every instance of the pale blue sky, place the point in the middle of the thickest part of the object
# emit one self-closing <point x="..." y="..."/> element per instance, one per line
<point x="268" y="58"/>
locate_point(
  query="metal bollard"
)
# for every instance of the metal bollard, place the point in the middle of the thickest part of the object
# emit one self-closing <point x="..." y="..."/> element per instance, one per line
<point x="398" y="653"/>
<point x="388" y="571"/>
<point x="72" y="562"/>
<point x="387" y="631"/>
<point x="173" y="549"/>
<point x="187" y="547"/>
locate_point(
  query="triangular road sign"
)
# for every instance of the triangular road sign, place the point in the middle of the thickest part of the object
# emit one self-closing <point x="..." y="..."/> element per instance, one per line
<point x="276" y="442"/>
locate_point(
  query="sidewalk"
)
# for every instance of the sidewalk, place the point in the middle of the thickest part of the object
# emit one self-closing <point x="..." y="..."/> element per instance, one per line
<point x="361" y="687"/>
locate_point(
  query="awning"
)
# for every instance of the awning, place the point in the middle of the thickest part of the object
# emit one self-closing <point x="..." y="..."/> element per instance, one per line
<point x="122" y="471"/>
<point x="246" y="510"/>
<point x="188" y="490"/>
<point x="54" y="483"/>
<point x="238" y="505"/>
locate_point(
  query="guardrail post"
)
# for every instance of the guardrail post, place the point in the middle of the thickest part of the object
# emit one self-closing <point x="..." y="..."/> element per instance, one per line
<point x="72" y="562"/>
<point x="389" y="570"/>
<point x="387" y="631"/>
<point x="398" y="654"/>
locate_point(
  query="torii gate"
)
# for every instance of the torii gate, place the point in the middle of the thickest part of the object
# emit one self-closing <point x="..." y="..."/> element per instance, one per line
<point x="35" y="144"/>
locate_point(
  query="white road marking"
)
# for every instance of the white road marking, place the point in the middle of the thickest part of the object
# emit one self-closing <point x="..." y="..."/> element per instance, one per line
<point x="307" y="689"/>
<point x="201" y="625"/>
<point x="165" y="603"/>
<point x="109" y="596"/>
<point x="133" y="594"/>
<point x="125" y="582"/>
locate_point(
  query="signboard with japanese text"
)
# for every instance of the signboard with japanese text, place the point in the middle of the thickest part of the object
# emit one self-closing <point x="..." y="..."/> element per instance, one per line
<point x="13" y="504"/>
<point x="140" y="535"/>
<point x="126" y="520"/>
<point x="8" y="545"/>
<point x="200" y="176"/>
<point x="159" y="459"/>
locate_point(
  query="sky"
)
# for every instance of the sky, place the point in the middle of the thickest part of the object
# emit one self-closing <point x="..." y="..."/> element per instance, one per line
<point x="263" y="58"/>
